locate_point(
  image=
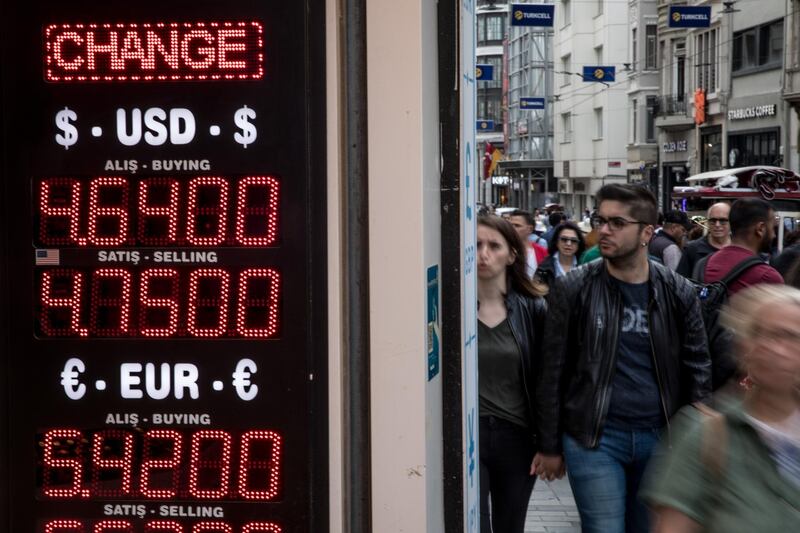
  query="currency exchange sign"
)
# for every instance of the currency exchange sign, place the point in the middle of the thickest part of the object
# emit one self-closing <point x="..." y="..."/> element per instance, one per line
<point x="161" y="357"/>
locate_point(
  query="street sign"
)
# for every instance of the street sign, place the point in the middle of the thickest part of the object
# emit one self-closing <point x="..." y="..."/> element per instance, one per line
<point x="158" y="336"/>
<point x="531" y="103"/>
<point x="484" y="125"/>
<point x="689" y="16"/>
<point x="599" y="73"/>
<point x="484" y="72"/>
<point x="532" y="15"/>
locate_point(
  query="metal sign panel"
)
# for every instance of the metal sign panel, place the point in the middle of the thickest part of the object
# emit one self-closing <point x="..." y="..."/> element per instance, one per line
<point x="532" y="15"/>
<point x="162" y="356"/>
<point x="484" y="72"/>
<point x="689" y="16"/>
<point x="599" y="73"/>
<point x="531" y="103"/>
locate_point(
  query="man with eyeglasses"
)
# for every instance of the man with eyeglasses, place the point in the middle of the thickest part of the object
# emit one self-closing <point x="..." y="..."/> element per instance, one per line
<point x="718" y="237"/>
<point x="667" y="243"/>
<point x="625" y="349"/>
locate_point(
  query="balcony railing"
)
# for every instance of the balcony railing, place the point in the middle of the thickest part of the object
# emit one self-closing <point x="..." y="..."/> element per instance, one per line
<point x="675" y="104"/>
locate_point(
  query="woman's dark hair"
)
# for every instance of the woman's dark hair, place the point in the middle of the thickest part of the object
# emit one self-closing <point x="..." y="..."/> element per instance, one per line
<point x="515" y="272"/>
<point x="552" y="246"/>
<point x="641" y="202"/>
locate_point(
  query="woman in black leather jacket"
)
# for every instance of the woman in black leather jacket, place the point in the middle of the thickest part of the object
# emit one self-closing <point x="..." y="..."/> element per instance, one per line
<point x="565" y="248"/>
<point x="511" y="312"/>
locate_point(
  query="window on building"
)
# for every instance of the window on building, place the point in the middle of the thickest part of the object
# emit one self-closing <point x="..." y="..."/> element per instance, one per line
<point x="634" y="120"/>
<point x="598" y="123"/>
<point x="598" y="55"/>
<point x="650" y="125"/>
<point x="634" y="48"/>
<point x="497" y="77"/>
<point x="566" y="126"/>
<point x="651" y="47"/>
<point x="679" y="74"/>
<point x="566" y="12"/>
<point x="707" y="59"/>
<point x="565" y="61"/>
<point x="491" y="28"/>
<point x="758" y="48"/>
<point x="600" y="7"/>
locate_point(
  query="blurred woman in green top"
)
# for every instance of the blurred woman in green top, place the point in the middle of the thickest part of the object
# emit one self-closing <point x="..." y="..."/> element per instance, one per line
<point x="738" y="470"/>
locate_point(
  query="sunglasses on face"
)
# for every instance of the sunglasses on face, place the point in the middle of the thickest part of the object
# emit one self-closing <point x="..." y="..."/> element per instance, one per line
<point x="614" y="223"/>
<point x="717" y="221"/>
<point x="568" y="240"/>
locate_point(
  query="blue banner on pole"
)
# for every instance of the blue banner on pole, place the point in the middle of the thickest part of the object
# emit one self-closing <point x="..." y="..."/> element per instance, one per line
<point x="531" y="103"/>
<point x="484" y="72"/>
<point x="599" y="73"/>
<point x="689" y="16"/>
<point x="484" y="125"/>
<point x="532" y="15"/>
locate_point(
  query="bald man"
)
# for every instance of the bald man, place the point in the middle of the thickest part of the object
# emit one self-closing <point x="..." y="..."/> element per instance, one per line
<point x="718" y="237"/>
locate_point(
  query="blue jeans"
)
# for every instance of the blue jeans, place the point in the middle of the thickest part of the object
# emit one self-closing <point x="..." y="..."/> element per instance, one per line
<point x="605" y="480"/>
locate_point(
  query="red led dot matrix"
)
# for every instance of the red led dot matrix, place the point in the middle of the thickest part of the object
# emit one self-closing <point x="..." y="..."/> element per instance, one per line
<point x="153" y="469"/>
<point x="214" y="470"/>
<point x="262" y="471"/>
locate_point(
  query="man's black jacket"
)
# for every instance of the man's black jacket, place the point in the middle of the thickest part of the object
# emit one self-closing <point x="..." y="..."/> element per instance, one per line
<point x="580" y="351"/>
<point x="526" y="317"/>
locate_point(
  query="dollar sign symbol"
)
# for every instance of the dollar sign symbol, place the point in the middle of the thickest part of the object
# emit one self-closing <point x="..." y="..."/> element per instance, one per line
<point x="70" y="136"/>
<point x="248" y="134"/>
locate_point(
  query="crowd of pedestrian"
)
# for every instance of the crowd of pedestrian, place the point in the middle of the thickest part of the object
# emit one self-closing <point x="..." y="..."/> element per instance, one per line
<point x="661" y="375"/>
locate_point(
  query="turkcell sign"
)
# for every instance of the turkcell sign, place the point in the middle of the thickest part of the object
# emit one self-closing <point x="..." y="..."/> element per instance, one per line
<point x="599" y="73"/>
<point x="484" y="72"/>
<point x="532" y="15"/>
<point x="484" y="125"/>
<point x="689" y="16"/>
<point x="531" y="103"/>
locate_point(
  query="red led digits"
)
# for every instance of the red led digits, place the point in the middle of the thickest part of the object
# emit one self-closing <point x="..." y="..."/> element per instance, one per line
<point x="64" y="526"/>
<point x="59" y="211"/>
<point x="257" y="211"/>
<point x="111" y="302"/>
<point x="122" y="211"/>
<point x="108" y="211"/>
<point x="112" y="452"/>
<point x="157" y="526"/>
<point x="61" y="301"/>
<point x="162" y="457"/>
<point x="259" y="467"/>
<point x="209" y="293"/>
<point x="63" y="467"/>
<point x="208" y="203"/>
<point x="113" y="526"/>
<point x="158" y="302"/>
<point x="158" y="211"/>
<point x="210" y="464"/>
<point x="212" y="527"/>
<point x="161" y="51"/>
<point x="257" y="309"/>
<point x="261" y="526"/>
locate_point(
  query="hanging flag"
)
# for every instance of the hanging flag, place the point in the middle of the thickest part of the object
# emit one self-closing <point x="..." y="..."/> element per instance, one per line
<point x="497" y="155"/>
<point x="487" y="160"/>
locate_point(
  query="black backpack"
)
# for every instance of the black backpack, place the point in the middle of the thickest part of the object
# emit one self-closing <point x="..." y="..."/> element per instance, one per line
<point x="712" y="297"/>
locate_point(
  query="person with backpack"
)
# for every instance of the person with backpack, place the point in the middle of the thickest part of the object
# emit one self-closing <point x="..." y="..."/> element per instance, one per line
<point x="729" y="270"/>
<point x="752" y="223"/>
<point x="737" y="470"/>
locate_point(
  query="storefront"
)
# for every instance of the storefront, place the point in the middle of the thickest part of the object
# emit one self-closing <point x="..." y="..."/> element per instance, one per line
<point x="675" y="165"/>
<point x="754" y="134"/>
<point x="711" y="148"/>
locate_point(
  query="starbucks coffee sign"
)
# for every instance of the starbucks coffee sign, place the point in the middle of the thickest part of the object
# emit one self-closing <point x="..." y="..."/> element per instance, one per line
<point x="758" y="111"/>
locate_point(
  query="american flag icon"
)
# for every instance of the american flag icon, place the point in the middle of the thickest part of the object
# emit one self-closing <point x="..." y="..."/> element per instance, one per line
<point x="47" y="257"/>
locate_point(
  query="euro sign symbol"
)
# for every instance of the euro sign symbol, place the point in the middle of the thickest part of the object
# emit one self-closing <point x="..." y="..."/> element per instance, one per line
<point x="70" y="135"/>
<point x="241" y="379"/>
<point x="73" y="388"/>
<point x="248" y="134"/>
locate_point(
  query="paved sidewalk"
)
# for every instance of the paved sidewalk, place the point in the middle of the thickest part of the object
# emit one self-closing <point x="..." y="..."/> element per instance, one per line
<point x="552" y="508"/>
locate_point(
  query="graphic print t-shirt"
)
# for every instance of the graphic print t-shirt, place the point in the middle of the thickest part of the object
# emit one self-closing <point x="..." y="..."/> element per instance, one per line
<point x="635" y="402"/>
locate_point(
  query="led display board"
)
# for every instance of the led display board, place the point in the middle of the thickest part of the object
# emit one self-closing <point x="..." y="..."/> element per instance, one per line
<point x="164" y="354"/>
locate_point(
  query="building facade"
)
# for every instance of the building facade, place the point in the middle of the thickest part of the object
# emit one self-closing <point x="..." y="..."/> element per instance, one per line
<point x="528" y="160"/>
<point x="590" y="140"/>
